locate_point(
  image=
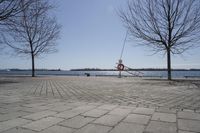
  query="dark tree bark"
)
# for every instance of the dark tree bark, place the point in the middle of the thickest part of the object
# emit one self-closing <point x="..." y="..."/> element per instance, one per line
<point x="169" y="26"/>
<point x="35" y="32"/>
<point x="169" y="65"/>
<point x="33" y="64"/>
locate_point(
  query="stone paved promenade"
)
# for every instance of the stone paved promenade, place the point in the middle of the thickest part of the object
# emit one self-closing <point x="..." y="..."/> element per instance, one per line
<point x="98" y="105"/>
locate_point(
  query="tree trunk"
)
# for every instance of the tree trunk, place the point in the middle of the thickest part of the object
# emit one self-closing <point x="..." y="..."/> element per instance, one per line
<point x="169" y="64"/>
<point x="33" y="64"/>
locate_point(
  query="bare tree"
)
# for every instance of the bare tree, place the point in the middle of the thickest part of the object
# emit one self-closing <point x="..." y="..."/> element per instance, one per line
<point x="9" y="9"/>
<point x="169" y="26"/>
<point x="35" y="32"/>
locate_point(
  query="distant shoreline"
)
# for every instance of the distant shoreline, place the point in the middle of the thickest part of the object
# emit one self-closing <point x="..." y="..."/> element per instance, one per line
<point x="97" y="69"/>
<point x="142" y="69"/>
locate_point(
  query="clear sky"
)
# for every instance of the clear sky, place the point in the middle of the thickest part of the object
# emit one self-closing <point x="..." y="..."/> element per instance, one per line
<point x="92" y="37"/>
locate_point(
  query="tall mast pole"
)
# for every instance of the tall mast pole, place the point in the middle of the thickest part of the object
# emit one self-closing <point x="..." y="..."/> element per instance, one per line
<point x="120" y="59"/>
<point x="123" y="45"/>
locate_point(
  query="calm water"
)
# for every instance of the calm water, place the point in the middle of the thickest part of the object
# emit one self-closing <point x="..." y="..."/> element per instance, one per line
<point x="175" y="74"/>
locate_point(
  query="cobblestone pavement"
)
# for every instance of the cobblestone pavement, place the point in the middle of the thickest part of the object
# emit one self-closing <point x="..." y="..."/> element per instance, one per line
<point x="178" y="94"/>
<point x="98" y="105"/>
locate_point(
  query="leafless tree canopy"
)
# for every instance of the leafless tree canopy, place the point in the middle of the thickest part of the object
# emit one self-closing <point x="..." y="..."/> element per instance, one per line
<point x="171" y="26"/>
<point x="10" y="8"/>
<point x="35" y="32"/>
<point x="164" y="23"/>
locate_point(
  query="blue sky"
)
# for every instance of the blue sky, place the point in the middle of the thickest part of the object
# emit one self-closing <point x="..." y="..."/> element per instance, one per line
<point x="92" y="37"/>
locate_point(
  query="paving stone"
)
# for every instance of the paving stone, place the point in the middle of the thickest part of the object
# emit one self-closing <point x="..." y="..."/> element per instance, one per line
<point x="189" y="125"/>
<point x="43" y="107"/>
<point x="14" y="98"/>
<point x="127" y="107"/>
<point x="39" y="115"/>
<point x="57" y="104"/>
<point x="128" y="128"/>
<point x="19" y="130"/>
<point x="180" y="131"/>
<point x="161" y="127"/>
<point x="76" y="104"/>
<point x="31" y="110"/>
<point x="11" y="102"/>
<point x="95" y="104"/>
<point x="166" y="110"/>
<point x="145" y="111"/>
<point x="60" y="108"/>
<point x="12" y="115"/>
<point x="83" y="109"/>
<point x="93" y="128"/>
<point x="49" y="105"/>
<point x="109" y="120"/>
<point x="197" y="111"/>
<point x="164" y="117"/>
<point x="107" y="90"/>
<point x="95" y="113"/>
<point x="58" y="129"/>
<point x="136" y="118"/>
<point x="5" y="111"/>
<point x="76" y="122"/>
<point x="12" y="123"/>
<point x="120" y="111"/>
<point x="107" y="107"/>
<point x="35" y="104"/>
<point x="189" y="115"/>
<point x="67" y="114"/>
<point x="187" y="110"/>
<point x="42" y="123"/>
